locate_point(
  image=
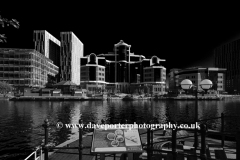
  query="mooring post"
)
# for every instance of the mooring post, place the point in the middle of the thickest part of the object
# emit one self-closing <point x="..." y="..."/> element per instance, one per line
<point x="102" y="121"/>
<point x="222" y="128"/>
<point x="203" y="142"/>
<point x="151" y="136"/>
<point x="238" y="145"/>
<point x="125" y="155"/>
<point x="80" y="139"/>
<point x="196" y="119"/>
<point x="148" y="144"/>
<point x="46" y="125"/>
<point x="174" y="143"/>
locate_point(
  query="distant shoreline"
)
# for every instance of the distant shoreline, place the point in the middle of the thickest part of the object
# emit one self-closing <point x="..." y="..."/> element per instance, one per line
<point x="77" y="98"/>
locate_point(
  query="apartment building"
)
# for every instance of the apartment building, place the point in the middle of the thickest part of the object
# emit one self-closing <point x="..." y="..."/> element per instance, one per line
<point x="70" y="54"/>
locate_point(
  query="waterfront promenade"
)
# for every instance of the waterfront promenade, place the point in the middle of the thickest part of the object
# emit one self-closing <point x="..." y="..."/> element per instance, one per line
<point x="98" y="98"/>
<point x="54" y="98"/>
<point x="72" y="154"/>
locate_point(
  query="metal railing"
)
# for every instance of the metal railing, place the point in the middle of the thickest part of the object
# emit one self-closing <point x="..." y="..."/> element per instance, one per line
<point x="222" y="132"/>
<point x="46" y="146"/>
<point x="150" y="141"/>
<point x="35" y="153"/>
<point x="203" y="135"/>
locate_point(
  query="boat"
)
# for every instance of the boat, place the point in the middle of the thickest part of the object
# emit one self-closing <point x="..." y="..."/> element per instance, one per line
<point x="4" y="98"/>
<point x="129" y="98"/>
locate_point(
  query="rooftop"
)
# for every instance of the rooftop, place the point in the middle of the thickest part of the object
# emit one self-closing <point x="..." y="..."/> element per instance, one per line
<point x="121" y="43"/>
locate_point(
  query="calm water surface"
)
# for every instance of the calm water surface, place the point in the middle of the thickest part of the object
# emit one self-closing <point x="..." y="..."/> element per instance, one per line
<point x="21" y="122"/>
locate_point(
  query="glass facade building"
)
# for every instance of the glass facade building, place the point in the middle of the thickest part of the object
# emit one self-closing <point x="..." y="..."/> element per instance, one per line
<point x="228" y="56"/>
<point x="25" y="67"/>
<point x="49" y="46"/>
<point x="70" y="53"/>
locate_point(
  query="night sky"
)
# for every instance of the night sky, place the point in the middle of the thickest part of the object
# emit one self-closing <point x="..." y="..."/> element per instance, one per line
<point x="183" y="34"/>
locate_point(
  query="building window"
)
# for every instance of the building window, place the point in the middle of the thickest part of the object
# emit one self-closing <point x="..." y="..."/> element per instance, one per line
<point x="92" y="59"/>
<point x="154" y="60"/>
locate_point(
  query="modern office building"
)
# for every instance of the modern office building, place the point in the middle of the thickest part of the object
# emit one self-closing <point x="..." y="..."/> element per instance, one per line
<point x="51" y="61"/>
<point x="65" y="53"/>
<point x="71" y="52"/>
<point x="196" y="75"/>
<point x="122" y="71"/>
<point x="228" y="56"/>
<point x="93" y="72"/>
<point x="25" y="67"/>
<point x="173" y="83"/>
<point x="47" y="45"/>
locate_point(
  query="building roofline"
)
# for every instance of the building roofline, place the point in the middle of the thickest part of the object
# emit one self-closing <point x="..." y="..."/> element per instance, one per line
<point x="204" y="69"/>
<point x="18" y="48"/>
<point x="122" y="43"/>
<point x="52" y="38"/>
<point x="29" y="50"/>
<point x="71" y="32"/>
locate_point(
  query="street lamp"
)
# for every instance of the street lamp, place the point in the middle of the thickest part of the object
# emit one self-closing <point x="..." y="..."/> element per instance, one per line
<point x="205" y="85"/>
<point x="186" y="84"/>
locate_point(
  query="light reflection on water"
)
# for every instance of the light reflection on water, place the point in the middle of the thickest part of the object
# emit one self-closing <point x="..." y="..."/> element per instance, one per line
<point x="21" y="122"/>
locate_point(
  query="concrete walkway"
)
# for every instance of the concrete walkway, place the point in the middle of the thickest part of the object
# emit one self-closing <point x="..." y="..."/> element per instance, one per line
<point x="73" y="154"/>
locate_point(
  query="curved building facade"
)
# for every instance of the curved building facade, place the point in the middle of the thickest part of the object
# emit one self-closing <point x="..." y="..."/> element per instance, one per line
<point x="123" y="71"/>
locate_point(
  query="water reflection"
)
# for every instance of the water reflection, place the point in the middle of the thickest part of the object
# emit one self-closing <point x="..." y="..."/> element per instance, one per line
<point x="21" y="122"/>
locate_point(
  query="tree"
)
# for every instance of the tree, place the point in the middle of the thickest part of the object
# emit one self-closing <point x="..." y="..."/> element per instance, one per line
<point x="5" y="88"/>
<point x="6" y="22"/>
<point x="136" y="91"/>
<point x="147" y="90"/>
